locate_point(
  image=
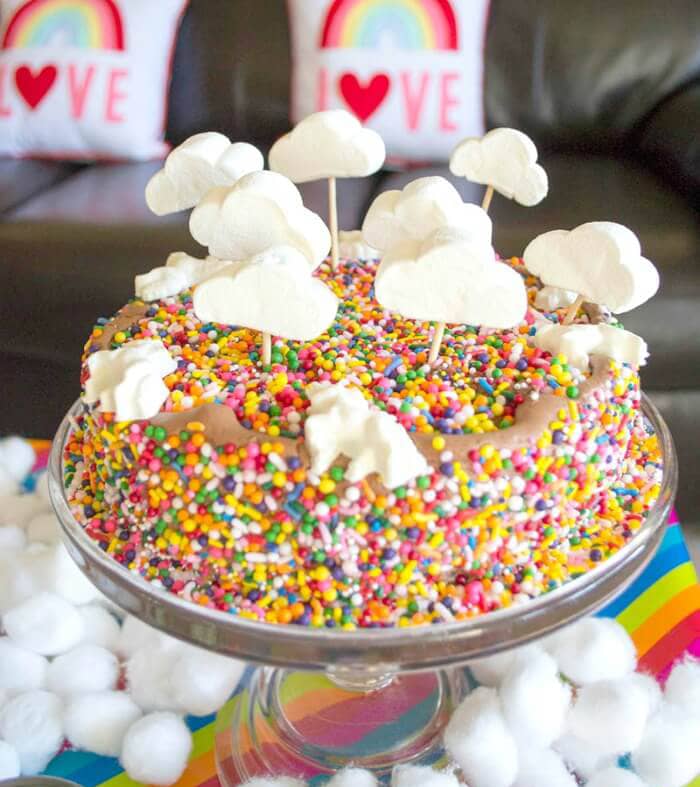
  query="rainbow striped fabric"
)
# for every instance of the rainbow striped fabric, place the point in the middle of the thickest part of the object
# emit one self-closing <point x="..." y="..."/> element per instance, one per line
<point x="661" y="610"/>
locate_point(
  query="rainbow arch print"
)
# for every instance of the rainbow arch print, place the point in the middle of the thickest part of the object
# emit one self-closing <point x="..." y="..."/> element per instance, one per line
<point x="413" y="24"/>
<point x="85" y="24"/>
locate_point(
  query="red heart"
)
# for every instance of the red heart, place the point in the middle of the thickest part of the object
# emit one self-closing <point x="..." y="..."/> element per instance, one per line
<point x="364" y="100"/>
<point x="33" y="87"/>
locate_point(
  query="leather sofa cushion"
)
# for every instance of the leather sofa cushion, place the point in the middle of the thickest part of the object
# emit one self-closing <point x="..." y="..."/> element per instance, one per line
<point x="21" y="179"/>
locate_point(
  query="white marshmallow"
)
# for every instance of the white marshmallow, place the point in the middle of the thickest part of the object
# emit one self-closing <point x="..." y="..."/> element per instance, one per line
<point x="614" y="777"/>
<point x="33" y="724"/>
<point x="600" y="260"/>
<point x="419" y="776"/>
<point x="202" y="682"/>
<point x="101" y="627"/>
<point x="129" y="381"/>
<point x="551" y="298"/>
<point x="668" y="754"/>
<point x="593" y="649"/>
<point x="353" y="246"/>
<point x="542" y="768"/>
<point x="9" y="761"/>
<point x="535" y="701"/>
<point x="20" y="669"/>
<point x="12" y="539"/>
<point x="17" y="457"/>
<point x="45" y="624"/>
<point x="296" y="305"/>
<point x="327" y="144"/>
<point x="87" y="668"/>
<point x="98" y="722"/>
<point x="156" y="749"/>
<point x="683" y="686"/>
<point x="479" y="740"/>
<point x="180" y="272"/>
<point x="44" y="528"/>
<point x="579" y="342"/>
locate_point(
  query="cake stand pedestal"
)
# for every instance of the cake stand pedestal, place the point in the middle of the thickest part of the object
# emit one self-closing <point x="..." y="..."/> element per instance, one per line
<point x="324" y="699"/>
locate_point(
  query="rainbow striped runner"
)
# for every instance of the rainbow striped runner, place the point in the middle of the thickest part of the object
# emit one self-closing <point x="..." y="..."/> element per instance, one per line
<point x="661" y="611"/>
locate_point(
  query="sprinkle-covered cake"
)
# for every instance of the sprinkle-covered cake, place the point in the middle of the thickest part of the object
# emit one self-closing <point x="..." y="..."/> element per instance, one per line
<point x="378" y="470"/>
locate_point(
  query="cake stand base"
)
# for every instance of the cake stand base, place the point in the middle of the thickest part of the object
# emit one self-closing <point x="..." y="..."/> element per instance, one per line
<point x="310" y="724"/>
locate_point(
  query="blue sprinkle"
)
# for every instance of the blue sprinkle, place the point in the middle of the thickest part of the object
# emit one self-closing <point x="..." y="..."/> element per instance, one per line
<point x="391" y="368"/>
<point x="485" y="385"/>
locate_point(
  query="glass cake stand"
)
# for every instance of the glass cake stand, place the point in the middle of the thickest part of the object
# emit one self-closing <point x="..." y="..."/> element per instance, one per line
<point x="318" y="700"/>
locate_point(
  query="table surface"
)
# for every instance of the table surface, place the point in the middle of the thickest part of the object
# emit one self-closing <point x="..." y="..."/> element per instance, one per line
<point x="660" y="610"/>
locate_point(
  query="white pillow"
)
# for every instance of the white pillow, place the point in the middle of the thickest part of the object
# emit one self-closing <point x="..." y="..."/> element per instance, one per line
<point x="410" y="69"/>
<point x="85" y="79"/>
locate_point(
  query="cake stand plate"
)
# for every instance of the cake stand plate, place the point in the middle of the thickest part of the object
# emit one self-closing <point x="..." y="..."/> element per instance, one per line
<point x="322" y="699"/>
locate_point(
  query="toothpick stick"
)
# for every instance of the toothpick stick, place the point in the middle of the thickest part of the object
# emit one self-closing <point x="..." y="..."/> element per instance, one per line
<point x="266" y="349"/>
<point x="333" y="221"/>
<point x="488" y="196"/>
<point x="572" y="311"/>
<point x="438" y="333"/>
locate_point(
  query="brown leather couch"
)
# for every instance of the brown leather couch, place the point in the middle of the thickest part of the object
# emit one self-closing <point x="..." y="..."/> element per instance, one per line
<point x="610" y="92"/>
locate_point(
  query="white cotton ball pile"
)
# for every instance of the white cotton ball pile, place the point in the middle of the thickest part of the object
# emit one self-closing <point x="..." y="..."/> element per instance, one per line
<point x="420" y="776"/>
<point x="542" y="768"/>
<point x="9" y="762"/>
<point x="353" y="777"/>
<point x="12" y="539"/>
<point x="615" y="777"/>
<point x="581" y="757"/>
<point x="201" y="682"/>
<point x="46" y="624"/>
<point x="87" y="668"/>
<point x="20" y="669"/>
<point x="669" y="752"/>
<point x="44" y="528"/>
<point x="98" y="722"/>
<point x="156" y="749"/>
<point x="478" y="739"/>
<point x="535" y="700"/>
<point x="491" y="670"/>
<point x="683" y="686"/>
<point x="101" y="627"/>
<point x="33" y="724"/>
<point x="593" y="649"/>
<point x="17" y="457"/>
<point x="148" y="677"/>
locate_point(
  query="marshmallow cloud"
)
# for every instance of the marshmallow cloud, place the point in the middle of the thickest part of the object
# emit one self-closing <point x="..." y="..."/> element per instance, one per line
<point x="262" y="210"/>
<point x="201" y="163"/>
<point x="273" y="292"/>
<point x="423" y="206"/>
<point x="328" y="144"/>
<point x="449" y="279"/>
<point x="600" y="260"/>
<point x="180" y="272"/>
<point x="341" y="422"/>
<point x="129" y="381"/>
<point x="354" y="247"/>
<point x="579" y="342"/>
<point x="505" y="159"/>
<point x="551" y="298"/>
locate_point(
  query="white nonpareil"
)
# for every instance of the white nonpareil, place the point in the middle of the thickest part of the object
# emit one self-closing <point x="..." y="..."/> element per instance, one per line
<point x="341" y="422"/>
<point x="328" y="144"/>
<point x="601" y="261"/>
<point x="579" y="342"/>
<point x="199" y="164"/>
<point x="273" y="292"/>
<point x="423" y="206"/>
<point x="180" y="272"/>
<point x="129" y="381"/>
<point x="505" y="159"/>
<point x="263" y="209"/>
<point x="450" y="279"/>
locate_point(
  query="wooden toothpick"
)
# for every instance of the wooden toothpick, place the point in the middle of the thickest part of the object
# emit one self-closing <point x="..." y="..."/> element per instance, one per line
<point x="438" y="333"/>
<point x="572" y="311"/>
<point x="333" y="221"/>
<point x="488" y="196"/>
<point x="266" y="349"/>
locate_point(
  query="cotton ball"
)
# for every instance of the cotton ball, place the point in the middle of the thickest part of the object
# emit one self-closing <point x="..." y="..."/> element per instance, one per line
<point x="669" y="754"/>
<point x="136" y="635"/>
<point x="420" y="776"/>
<point x="202" y="682"/>
<point x="17" y="457"/>
<point x="611" y="714"/>
<point x="479" y="741"/>
<point x="535" y="700"/>
<point x="615" y="777"/>
<point x="650" y="686"/>
<point x="33" y="724"/>
<point x="148" y="678"/>
<point x="581" y="757"/>
<point x="44" y="528"/>
<point x="683" y="686"/>
<point x="87" y="668"/>
<point x="66" y="579"/>
<point x="45" y="624"/>
<point x="490" y="670"/>
<point x="8" y="483"/>
<point x="12" y="539"/>
<point x="9" y="761"/>
<point x="16" y="583"/>
<point x="542" y="768"/>
<point x="98" y="722"/>
<point x="276" y="781"/>
<point x="353" y="777"/>
<point x="156" y="749"/>
<point x="101" y="627"/>
<point x="20" y="670"/>
<point x="19" y="509"/>
<point x="41" y="489"/>
<point x="593" y="649"/>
